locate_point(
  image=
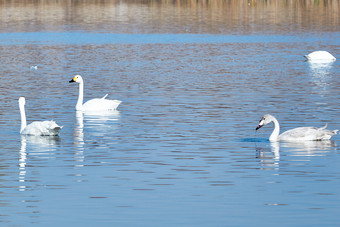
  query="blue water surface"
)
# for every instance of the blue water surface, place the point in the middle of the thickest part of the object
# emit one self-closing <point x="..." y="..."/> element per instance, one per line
<point x="88" y="38"/>
<point x="181" y="150"/>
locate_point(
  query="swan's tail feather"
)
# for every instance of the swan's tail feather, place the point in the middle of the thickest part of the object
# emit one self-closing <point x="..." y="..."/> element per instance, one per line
<point x="54" y="128"/>
<point x="324" y="127"/>
<point x="58" y="128"/>
<point x="105" y="96"/>
<point x="117" y="101"/>
<point x="332" y="132"/>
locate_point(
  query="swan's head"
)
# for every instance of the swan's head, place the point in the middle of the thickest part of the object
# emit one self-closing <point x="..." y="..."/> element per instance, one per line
<point x="266" y="119"/>
<point x="22" y="101"/>
<point x="77" y="78"/>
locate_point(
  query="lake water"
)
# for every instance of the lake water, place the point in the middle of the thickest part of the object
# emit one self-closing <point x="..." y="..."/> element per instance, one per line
<point x="181" y="150"/>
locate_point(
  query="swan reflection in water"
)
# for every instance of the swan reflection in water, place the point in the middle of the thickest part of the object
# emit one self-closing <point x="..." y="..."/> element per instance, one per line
<point x="93" y="126"/>
<point x="320" y="73"/>
<point x="39" y="146"/>
<point x="79" y="129"/>
<point x="101" y="124"/>
<point x="270" y="157"/>
<point x="309" y="148"/>
<point x="96" y="123"/>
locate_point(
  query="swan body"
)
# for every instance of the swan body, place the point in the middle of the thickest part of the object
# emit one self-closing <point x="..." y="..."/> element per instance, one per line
<point x="36" y="128"/>
<point x="320" y="56"/>
<point x="296" y="134"/>
<point x="98" y="104"/>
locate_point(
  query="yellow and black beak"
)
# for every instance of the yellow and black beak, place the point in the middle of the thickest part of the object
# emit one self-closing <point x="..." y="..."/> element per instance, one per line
<point x="73" y="80"/>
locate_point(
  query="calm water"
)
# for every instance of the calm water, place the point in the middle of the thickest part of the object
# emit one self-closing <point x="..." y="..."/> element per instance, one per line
<point x="181" y="150"/>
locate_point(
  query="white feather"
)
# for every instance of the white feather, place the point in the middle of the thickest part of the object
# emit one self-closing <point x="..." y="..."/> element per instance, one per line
<point x="320" y="56"/>
<point x="296" y="134"/>
<point x="98" y="104"/>
<point x="36" y="128"/>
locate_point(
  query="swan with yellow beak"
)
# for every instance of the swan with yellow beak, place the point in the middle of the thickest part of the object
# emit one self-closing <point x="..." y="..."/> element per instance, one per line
<point x="98" y="104"/>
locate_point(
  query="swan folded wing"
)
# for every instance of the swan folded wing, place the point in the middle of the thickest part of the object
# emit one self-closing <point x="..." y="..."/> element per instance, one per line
<point x="320" y="55"/>
<point x="42" y="128"/>
<point x="307" y="133"/>
<point x="101" y="104"/>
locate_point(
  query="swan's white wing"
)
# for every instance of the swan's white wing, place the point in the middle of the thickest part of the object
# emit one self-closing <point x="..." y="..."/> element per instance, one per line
<point x="101" y="104"/>
<point x="307" y="133"/>
<point x="320" y="55"/>
<point x="42" y="128"/>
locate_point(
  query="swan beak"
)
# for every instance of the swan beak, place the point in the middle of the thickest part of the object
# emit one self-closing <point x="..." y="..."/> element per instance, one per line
<point x="258" y="127"/>
<point x="71" y="81"/>
<point x="261" y="123"/>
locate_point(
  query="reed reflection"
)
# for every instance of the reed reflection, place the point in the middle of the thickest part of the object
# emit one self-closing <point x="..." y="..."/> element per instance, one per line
<point x="164" y="16"/>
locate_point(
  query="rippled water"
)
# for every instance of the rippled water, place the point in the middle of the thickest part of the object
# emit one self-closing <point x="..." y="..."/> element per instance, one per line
<point x="181" y="150"/>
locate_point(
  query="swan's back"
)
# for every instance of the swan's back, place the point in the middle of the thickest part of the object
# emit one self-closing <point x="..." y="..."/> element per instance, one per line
<point x="42" y="128"/>
<point x="101" y="104"/>
<point x="320" y="56"/>
<point x="307" y="133"/>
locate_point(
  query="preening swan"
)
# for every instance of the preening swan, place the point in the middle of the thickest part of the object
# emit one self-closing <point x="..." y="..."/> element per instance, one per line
<point x="36" y="128"/>
<point x="296" y="134"/>
<point x="93" y="104"/>
<point x="320" y="56"/>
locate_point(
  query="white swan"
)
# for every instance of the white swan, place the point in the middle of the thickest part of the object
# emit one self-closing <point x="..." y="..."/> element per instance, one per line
<point x="296" y="134"/>
<point x="320" y="56"/>
<point x="93" y="104"/>
<point x="36" y="128"/>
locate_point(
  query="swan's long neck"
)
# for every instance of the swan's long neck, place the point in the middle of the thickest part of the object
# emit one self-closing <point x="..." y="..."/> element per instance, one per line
<point x="79" y="105"/>
<point x="23" y="117"/>
<point x="275" y="134"/>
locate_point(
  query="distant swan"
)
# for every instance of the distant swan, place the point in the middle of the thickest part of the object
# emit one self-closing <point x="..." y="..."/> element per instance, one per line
<point x="296" y="134"/>
<point x="93" y="104"/>
<point x="320" y="56"/>
<point x="36" y="128"/>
